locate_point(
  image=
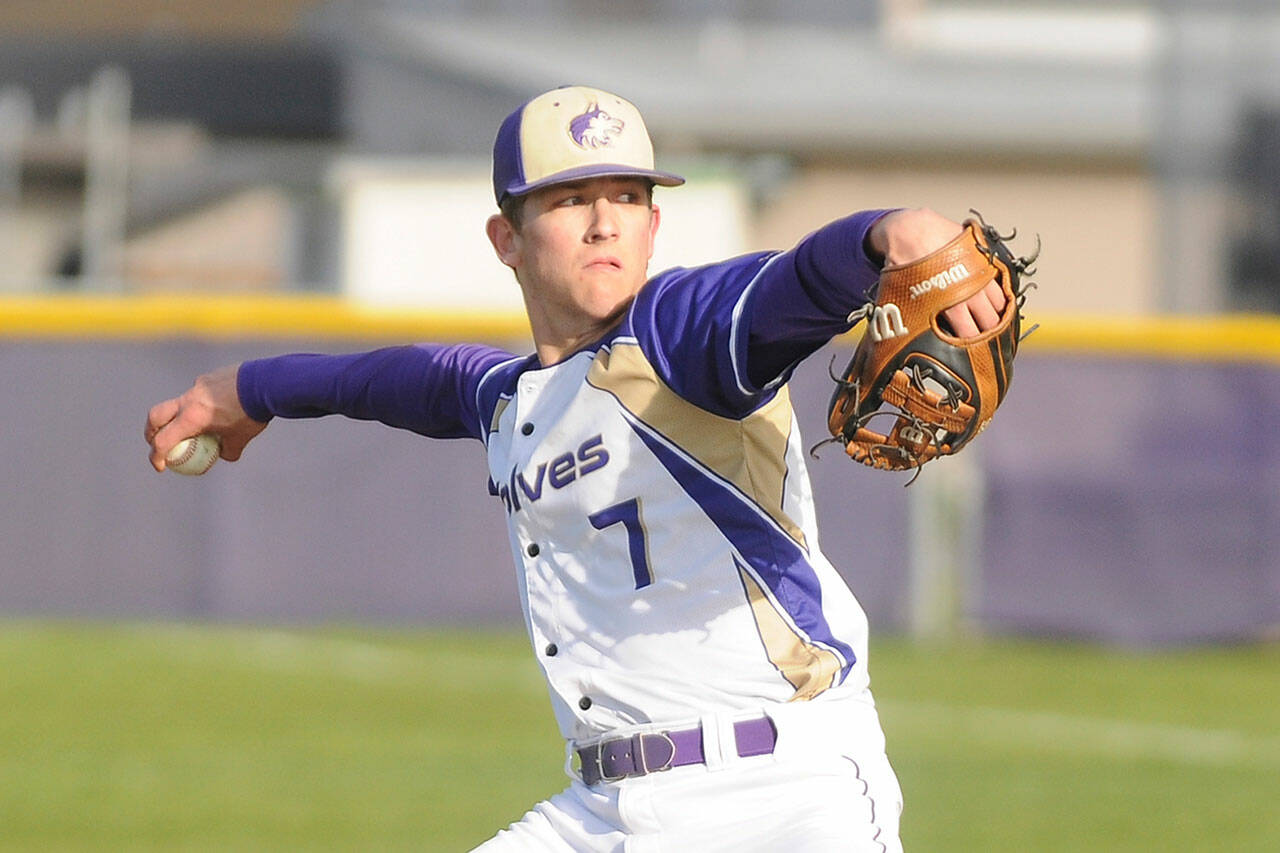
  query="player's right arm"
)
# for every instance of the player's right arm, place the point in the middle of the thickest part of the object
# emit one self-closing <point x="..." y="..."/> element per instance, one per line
<point x="428" y="389"/>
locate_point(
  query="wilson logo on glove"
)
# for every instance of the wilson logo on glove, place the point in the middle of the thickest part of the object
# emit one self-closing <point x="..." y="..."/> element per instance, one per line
<point x="885" y="323"/>
<point x="956" y="274"/>
<point x="941" y="390"/>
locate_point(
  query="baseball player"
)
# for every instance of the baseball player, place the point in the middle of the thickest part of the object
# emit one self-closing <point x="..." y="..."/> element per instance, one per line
<point x="706" y="663"/>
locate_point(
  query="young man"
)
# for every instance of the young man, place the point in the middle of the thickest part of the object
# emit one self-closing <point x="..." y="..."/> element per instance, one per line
<point x="706" y="664"/>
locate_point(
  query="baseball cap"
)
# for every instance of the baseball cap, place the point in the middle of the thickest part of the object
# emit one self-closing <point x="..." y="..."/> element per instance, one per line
<point x="569" y="134"/>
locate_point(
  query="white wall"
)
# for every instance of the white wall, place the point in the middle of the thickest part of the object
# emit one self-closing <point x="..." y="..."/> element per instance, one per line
<point x="413" y="235"/>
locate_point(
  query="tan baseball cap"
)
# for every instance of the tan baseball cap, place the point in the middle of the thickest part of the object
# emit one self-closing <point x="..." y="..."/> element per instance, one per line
<point x="569" y="134"/>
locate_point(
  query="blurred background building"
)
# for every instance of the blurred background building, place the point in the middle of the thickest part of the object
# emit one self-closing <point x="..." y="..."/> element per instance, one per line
<point x="330" y="153"/>
<point x="242" y="145"/>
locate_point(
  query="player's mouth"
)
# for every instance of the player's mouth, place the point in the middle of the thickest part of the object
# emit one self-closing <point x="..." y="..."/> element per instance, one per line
<point x="605" y="263"/>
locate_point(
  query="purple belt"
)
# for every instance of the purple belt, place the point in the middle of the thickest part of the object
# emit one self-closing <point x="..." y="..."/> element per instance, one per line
<point x="638" y="755"/>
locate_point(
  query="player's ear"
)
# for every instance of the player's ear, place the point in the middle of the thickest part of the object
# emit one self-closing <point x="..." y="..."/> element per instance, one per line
<point x="654" y="219"/>
<point x="505" y="239"/>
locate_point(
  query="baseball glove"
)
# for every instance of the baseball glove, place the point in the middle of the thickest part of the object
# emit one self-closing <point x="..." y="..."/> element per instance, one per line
<point x="941" y="389"/>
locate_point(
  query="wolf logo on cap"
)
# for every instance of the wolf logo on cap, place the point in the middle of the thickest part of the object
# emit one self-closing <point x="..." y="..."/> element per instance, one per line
<point x="595" y="128"/>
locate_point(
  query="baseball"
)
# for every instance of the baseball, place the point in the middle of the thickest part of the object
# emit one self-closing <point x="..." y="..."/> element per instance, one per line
<point x="194" y="456"/>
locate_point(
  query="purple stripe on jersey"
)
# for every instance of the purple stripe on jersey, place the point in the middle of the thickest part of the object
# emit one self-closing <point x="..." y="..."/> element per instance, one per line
<point x="774" y="556"/>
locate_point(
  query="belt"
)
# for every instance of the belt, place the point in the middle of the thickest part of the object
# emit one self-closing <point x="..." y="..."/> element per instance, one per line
<point x="640" y="754"/>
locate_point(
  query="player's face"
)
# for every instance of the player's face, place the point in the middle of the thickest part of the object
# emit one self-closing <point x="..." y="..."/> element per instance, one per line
<point x="582" y="252"/>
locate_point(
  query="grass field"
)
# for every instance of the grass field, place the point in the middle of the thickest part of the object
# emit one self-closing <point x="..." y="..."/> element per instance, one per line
<point x="163" y="737"/>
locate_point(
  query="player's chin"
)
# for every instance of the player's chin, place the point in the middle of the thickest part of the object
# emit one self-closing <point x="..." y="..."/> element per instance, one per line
<point x="608" y="307"/>
<point x="604" y="291"/>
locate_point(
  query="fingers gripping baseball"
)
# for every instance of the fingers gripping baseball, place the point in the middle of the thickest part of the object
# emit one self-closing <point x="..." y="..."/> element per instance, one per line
<point x="211" y="405"/>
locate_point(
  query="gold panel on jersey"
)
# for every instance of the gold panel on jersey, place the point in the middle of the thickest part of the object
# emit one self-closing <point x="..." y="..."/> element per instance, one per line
<point x="501" y="407"/>
<point x="810" y="669"/>
<point x="750" y="453"/>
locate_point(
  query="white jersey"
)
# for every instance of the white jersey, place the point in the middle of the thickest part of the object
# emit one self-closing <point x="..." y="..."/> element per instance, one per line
<point x="665" y="536"/>
<point x="668" y="556"/>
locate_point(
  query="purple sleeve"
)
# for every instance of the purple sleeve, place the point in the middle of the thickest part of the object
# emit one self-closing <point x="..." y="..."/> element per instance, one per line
<point x="804" y="299"/>
<point x="725" y="335"/>
<point x="426" y="388"/>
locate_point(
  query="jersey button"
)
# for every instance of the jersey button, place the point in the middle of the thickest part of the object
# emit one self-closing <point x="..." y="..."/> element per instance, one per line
<point x="584" y="703"/>
<point x="552" y="650"/>
<point x="533" y="550"/>
<point x="527" y="429"/>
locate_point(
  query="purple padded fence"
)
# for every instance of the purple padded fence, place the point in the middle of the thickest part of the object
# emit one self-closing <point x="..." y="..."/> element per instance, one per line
<point x="1127" y="500"/>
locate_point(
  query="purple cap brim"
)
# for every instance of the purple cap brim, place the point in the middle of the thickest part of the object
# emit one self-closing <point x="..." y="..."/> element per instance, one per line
<point x="596" y="170"/>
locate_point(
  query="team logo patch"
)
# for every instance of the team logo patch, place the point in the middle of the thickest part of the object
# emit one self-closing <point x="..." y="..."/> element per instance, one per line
<point x="595" y="128"/>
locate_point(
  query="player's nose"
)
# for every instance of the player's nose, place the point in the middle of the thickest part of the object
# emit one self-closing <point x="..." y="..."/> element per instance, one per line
<point x="604" y="220"/>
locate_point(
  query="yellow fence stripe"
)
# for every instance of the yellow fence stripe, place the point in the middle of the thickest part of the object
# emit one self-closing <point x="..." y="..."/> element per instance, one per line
<point x="1215" y="338"/>
<point x="222" y="317"/>
<point x="1200" y="338"/>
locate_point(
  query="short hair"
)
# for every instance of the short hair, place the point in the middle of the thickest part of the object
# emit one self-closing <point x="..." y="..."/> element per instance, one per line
<point x="512" y="207"/>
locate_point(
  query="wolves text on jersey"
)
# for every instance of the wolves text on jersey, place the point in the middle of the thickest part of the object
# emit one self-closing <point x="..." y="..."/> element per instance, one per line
<point x="562" y="470"/>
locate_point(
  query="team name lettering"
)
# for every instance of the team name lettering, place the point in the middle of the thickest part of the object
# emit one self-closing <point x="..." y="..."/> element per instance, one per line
<point x="527" y="486"/>
<point x="940" y="281"/>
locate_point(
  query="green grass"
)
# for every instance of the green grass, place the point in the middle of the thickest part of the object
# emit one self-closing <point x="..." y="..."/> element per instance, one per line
<point x="1020" y="746"/>
<point x="180" y="737"/>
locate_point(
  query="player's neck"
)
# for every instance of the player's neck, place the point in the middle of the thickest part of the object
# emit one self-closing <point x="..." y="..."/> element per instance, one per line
<point x="554" y="343"/>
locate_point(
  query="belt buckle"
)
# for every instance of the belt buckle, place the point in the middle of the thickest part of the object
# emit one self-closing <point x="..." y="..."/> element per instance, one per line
<point x="640" y="762"/>
<point x="644" y="764"/>
<point x="600" y="747"/>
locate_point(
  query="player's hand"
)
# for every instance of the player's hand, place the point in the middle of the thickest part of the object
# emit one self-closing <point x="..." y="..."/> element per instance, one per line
<point x="211" y="405"/>
<point x="908" y="235"/>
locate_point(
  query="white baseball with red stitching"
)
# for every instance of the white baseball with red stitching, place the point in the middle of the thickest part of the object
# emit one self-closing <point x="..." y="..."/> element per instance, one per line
<point x="194" y="456"/>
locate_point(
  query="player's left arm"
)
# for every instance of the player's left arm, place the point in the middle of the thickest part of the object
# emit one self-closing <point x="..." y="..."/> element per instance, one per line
<point x="726" y="335"/>
<point x="804" y="299"/>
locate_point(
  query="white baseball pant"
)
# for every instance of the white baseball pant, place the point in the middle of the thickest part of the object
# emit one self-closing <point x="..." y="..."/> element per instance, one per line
<point x="827" y="788"/>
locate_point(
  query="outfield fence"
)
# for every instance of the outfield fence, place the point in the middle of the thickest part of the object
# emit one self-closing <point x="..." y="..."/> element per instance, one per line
<point x="1129" y="490"/>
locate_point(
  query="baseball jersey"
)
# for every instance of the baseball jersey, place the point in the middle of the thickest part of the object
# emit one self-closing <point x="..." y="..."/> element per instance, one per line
<point x="654" y="484"/>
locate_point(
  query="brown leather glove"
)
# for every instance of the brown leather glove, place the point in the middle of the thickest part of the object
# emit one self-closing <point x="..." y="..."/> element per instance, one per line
<point x="941" y="389"/>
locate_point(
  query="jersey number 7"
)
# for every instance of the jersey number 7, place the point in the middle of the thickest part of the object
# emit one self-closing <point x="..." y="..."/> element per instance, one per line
<point x="627" y="514"/>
